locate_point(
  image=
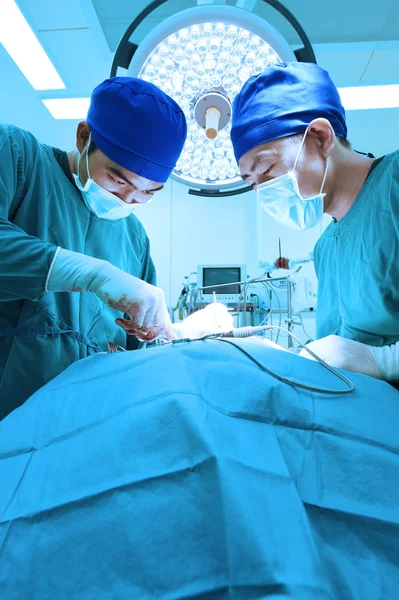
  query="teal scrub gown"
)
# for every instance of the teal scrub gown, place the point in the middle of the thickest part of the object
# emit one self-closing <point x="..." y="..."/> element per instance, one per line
<point x="42" y="333"/>
<point x="357" y="263"/>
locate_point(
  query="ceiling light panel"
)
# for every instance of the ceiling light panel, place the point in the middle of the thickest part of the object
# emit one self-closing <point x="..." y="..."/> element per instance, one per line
<point x="25" y="49"/>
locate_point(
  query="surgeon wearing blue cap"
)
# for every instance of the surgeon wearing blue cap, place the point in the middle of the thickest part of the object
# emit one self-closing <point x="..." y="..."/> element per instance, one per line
<point x="76" y="271"/>
<point x="289" y="136"/>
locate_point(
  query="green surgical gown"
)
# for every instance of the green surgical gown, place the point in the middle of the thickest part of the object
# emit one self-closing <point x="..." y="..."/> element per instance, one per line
<point x="42" y="333"/>
<point x="357" y="264"/>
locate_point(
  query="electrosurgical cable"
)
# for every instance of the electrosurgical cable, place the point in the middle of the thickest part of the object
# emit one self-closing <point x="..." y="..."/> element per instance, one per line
<point x="303" y="327"/>
<point x="268" y="285"/>
<point x="245" y="332"/>
<point x="334" y="371"/>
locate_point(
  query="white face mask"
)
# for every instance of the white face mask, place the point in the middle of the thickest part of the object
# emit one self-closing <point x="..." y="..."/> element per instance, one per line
<point x="100" y="201"/>
<point x="282" y="199"/>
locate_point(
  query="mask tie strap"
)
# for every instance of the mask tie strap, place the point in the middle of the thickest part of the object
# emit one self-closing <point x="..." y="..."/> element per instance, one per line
<point x="300" y="148"/>
<point x="87" y="156"/>
<point x="297" y="157"/>
<point x="80" y="156"/>
<point x="325" y="175"/>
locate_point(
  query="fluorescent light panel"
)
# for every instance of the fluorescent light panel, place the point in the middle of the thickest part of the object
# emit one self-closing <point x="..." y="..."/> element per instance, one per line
<point x="25" y="49"/>
<point x="68" y="108"/>
<point x="370" y="96"/>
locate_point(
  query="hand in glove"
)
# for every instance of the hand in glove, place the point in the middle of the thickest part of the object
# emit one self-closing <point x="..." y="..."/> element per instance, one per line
<point x="344" y="354"/>
<point x="215" y="318"/>
<point x="144" y="303"/>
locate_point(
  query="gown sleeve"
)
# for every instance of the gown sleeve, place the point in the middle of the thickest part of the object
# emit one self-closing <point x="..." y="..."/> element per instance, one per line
<point x="148" y="273"/>
<point x="25" y="259"/>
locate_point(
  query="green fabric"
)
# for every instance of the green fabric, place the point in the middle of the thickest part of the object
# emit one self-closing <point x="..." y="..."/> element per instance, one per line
<point x="62" y="159"/>
<point x="41" y="333"/>
<point x="374" y="164"/>
<point x="357" y="264"/>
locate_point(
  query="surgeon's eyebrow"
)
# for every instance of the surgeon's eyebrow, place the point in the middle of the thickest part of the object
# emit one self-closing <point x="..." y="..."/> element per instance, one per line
<point x="120" y="175"/>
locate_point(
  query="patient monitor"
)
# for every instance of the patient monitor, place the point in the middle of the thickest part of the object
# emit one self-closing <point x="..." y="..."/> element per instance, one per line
<point x="223" y="280"/>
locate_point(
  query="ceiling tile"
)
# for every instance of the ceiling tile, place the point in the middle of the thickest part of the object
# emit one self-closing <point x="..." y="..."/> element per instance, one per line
<point x="48" y="14"/>
<point x="349" y="21"/>
<point x="345" y="68"/>
<point x="383" y="68"/>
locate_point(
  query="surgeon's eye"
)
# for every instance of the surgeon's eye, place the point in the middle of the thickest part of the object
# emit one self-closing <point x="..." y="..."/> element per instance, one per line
<point x="116" y="180"/>
<point x="265" y="173"/>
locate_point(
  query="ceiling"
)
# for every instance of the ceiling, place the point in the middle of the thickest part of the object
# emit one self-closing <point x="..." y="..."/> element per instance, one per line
<point x="356" y="41"/>
<point x="324" y="23"/>
<point x="359" y="43"/>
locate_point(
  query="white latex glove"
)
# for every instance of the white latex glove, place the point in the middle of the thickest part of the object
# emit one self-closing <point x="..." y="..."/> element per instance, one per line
<point x="144" y="303"/>
<point x="215" y="318"/>
<point x="345" y="354"/>
<point x="387" y="358"/>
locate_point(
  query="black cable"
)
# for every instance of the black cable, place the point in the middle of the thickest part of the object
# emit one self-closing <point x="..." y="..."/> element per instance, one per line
<point x="126" y="49"/>
<point x="218" y="194"/>
<point x="305" y="54"/>
<point x="291" y="382"/>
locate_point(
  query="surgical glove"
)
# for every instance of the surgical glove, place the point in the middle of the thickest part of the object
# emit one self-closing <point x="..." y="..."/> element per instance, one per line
<point x="344" y="354"/>
<point x="215" y="318"/>
<point x="144" y="303"/>
<point x="387" y="358"/>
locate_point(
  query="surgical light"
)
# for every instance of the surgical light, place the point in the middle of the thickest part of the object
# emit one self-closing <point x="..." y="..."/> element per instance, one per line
<point x="25" y="49"/>
<point x="202" y="57"/>
<point x="203" y="67"/>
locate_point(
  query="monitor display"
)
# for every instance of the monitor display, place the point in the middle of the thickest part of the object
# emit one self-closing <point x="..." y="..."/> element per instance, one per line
<point x="212" y="276"/>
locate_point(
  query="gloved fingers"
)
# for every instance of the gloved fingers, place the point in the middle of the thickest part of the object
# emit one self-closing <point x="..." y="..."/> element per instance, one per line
<point x="131" y="327"/>
<point x="386" y="360"/>
<point x="157" y="315"/>
<point x="169" y="334"/>
<point x="155" y="332"/>
<point x="162" y="317"/>
<point x="137" y="313"/>
<point x="147" y="335"/>
<point x="343" y="353"/>
<point x="149" y="320"/>
<point x="127" y="325"/>
<point x="162" y="320"/>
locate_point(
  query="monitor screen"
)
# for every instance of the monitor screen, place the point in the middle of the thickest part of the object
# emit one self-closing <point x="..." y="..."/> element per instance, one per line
<point x="212" y="276"/>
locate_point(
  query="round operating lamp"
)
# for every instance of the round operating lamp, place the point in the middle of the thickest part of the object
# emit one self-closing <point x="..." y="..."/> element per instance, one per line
<point x="202" y="57"/>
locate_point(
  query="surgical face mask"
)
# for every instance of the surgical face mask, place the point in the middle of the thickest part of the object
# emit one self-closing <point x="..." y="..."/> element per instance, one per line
<point x="282" y="199"/>
<point x="100" y="201"/>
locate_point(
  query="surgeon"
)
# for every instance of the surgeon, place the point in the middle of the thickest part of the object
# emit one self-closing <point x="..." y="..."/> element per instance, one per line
<point x="290" y="140"/>
<point x="76" y="273"/>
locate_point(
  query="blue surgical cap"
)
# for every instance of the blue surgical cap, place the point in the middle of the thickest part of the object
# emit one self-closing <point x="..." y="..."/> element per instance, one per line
<point x="137" y="126"/>
<point x="282" y="101"/>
